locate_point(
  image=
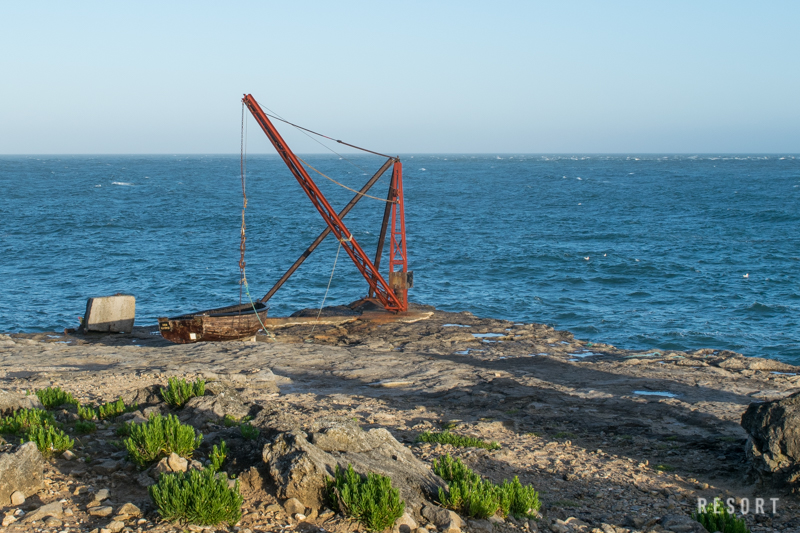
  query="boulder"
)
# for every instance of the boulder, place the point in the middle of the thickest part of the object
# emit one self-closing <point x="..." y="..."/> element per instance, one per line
<point x="21" y="471"/>
<point x="272" y="421"/>
<point x="144" y="397"/>
<point x="773" y="446"/>
<point x="299" y="464"/>
<point x="202" y="409"/>
<point x="441" y="517"/>
<point x="11" y="401"/>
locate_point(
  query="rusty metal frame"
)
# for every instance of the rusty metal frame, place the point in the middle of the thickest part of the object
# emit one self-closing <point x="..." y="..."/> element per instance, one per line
<point x="327" y="231"/>
<point x="394" y="297"/>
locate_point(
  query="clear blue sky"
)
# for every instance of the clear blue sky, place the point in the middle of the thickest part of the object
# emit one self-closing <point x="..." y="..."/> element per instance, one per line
<point x="402" y="77"/>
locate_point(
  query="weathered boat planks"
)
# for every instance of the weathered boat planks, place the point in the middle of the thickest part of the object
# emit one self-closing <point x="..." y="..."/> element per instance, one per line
<point x="223" y="324"/>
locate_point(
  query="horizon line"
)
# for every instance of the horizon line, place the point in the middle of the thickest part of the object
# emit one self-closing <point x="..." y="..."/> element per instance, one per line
<point x="175" y="154"/>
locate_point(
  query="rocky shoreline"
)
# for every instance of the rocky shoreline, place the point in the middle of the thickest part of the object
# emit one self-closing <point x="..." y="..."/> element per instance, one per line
<point x="612" y="439"/>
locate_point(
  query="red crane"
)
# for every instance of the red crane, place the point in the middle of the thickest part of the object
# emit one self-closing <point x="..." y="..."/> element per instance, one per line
<point x="392" y="295"/>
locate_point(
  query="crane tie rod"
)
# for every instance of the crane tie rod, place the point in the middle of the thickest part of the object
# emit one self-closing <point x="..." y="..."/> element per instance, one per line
<point x="345" y="186"/>
<point x="329" y="138"/>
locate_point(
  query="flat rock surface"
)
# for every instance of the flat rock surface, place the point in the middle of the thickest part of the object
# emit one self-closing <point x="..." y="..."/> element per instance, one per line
<point x="608" y="436"/>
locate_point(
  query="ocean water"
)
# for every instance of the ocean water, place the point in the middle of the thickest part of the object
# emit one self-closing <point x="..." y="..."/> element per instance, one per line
<point x="662" y="251"/>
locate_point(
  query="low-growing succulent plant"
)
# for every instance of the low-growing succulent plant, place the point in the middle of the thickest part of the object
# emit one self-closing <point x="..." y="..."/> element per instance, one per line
<point x="371" y="500"/>
<point x="201" y="498"/>
<point x="180" y="391"/>
<point x="158" y="437"/>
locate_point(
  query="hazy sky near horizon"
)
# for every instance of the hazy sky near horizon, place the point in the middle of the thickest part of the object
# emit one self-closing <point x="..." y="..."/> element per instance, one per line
<point x="402" y="77"/>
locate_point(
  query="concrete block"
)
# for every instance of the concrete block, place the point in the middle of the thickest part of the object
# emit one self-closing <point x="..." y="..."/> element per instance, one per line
<point x="113" y="314"/>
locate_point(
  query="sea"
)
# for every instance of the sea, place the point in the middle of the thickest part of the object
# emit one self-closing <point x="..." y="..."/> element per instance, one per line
<point x="671" y="252"/>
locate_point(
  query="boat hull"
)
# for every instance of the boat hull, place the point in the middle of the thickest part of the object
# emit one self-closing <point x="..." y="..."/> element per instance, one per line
<point x="230" y="323"/>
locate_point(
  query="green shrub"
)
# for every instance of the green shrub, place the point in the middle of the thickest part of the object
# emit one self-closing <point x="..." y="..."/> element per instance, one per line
<point x="53" y="397"/>
<point x="248" y="431"/>
<point x="715" y="517"/>
<point x="523" y="499"/>
<point x="124" y="430"/>
<point x="83" y="427"/>
<point x="86" y="412"/>
<point x="49" y="440"/>
<point x="371" y="500"/>
<point x="200" y="498"/>
<point x="158" y="437"/>
<point x="218" y="456"/>
<point x="445" y="437"/>
<point x="24" y="420"/>
<point x="450" y="470"/>
<point x="665" y="468"/>
<point x="180" y="391"/>
<point x="107" y="411"/>
<point x="111" y="410"/>
<point x="480" y="498"/>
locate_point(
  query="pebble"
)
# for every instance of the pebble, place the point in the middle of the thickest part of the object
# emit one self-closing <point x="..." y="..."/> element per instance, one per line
<point x="51" y="509"/>
<point x="273" y="508"/>
<point x="294" y="506"/>
<point x="101" y="511"/>
<point x="8" y="520"/>
<point x="404" y="524"/>
<point x="53" y="522"/>
<point x="177" y="463"/>
<point x="68" y="455"/>
<point x="115" y="526"/>
<point x="128" y="511"/>
<point x="17" y="498"/>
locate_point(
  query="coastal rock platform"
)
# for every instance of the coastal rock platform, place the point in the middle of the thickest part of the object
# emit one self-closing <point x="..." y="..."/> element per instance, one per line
<point x="614" y="440"/>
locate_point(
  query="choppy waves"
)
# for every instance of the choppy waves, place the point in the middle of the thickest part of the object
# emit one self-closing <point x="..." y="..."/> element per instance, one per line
<point x="669" y="240"/>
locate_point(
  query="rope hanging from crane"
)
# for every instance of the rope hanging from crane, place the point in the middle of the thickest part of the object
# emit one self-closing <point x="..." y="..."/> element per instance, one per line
<point x="243" y="169"/>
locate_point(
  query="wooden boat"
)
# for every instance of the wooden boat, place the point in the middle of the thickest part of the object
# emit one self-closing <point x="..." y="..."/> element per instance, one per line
<point x="223" y="324"/>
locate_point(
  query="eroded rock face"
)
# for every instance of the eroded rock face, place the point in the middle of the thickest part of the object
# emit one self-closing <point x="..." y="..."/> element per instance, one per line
<point x="20" y="471"/>
<point x="145" y="397"/>
<point x="774" y="442"/>
<point x="299" y="463"/>
<point x="202" y="409"/>
<point x="11" y="401"/>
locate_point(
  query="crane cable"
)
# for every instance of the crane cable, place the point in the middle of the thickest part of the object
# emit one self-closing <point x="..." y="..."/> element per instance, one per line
<point x="329" y="138"/>
<point x="274" y="115"/>
<point x="242" y="263"/>
<point x="345" y="186"/>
